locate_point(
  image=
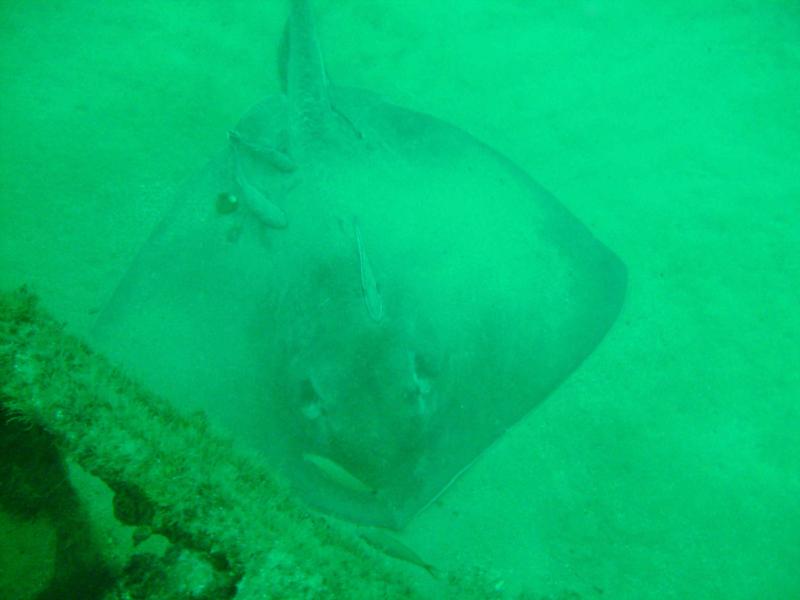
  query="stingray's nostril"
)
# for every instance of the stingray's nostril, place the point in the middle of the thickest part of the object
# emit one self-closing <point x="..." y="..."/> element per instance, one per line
<point x="227" y="203"/>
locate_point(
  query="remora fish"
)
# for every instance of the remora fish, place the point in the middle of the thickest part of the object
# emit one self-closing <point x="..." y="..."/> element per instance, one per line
<point x="337" y="474"/>
<point x="391" y="546"/>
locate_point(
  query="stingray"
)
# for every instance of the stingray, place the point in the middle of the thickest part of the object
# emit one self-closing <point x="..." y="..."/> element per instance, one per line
<point x="367" y="295"/>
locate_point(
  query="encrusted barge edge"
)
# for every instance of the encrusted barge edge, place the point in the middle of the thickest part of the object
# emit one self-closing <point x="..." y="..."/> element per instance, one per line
<point x="188" y="482"/>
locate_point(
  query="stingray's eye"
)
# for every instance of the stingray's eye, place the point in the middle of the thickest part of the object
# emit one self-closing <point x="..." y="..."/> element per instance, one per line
<point x="227" y="203"/>
<point x="425" y="366"/>
<point x="308" y="393"/>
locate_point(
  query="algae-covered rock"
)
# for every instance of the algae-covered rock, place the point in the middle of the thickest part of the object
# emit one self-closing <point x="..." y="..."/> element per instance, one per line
<point x="175" y="476"/>
<point x="234" y="530"/>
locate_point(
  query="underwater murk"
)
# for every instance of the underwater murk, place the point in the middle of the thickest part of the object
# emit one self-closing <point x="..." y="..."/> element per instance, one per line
<point x="389" y="299"/>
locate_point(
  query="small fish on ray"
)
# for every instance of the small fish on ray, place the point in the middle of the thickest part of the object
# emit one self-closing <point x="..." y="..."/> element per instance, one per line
<point x="391" y="546"/>
<point x="369" y="286"/>
<point x="338" y="474"/>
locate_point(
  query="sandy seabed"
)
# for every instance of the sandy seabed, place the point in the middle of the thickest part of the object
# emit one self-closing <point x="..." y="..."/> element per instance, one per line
<point x="668" y="465"/>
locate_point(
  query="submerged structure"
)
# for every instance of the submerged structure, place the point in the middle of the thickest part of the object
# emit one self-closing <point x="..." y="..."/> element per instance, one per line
<point x="365" y="294"/>
<point x="234" y="530"/>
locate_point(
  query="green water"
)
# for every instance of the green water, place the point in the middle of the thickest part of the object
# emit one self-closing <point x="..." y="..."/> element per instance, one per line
<point x="667" y="465"/>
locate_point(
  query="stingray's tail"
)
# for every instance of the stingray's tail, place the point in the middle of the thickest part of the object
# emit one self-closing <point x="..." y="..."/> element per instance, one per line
<point x="303" y="71"/>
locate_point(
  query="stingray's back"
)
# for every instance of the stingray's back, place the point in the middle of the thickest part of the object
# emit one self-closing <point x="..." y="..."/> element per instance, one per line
<point x="390" y="228"/>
